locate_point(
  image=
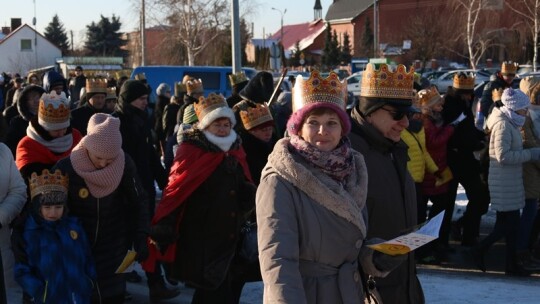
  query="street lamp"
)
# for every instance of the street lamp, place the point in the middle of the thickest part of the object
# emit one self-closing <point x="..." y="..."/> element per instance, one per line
<point x="281" y="36"/>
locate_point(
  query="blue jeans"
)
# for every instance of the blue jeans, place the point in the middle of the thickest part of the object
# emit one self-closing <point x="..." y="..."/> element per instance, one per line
<point x="528" y="214"/>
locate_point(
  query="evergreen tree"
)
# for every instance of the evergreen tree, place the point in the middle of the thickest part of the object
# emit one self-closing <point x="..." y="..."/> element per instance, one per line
<point x="334" y="51"/>
<point x="295" y="58"/>
<point x="345" y="54"/>
<point x="245" y="36"/>
<point x="56" y="34"/>
<point x="103" y="38"/>
<point x="367" y="40"/>
<point x="326" y="56"/>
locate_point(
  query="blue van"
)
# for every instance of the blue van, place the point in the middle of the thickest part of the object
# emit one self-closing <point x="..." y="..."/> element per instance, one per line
<point x="215" y="79"/>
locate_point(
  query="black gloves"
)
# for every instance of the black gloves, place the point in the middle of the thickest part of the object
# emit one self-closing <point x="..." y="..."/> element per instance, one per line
<point x="387" y="263"/>
<point x="163" y="234"/>
<point x="141" y="247"/>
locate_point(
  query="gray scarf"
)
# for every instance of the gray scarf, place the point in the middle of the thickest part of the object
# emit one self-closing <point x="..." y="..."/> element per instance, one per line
<point x="57" y="145"/>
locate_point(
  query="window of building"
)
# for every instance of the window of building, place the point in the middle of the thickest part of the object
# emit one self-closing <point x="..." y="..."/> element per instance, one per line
<point x="26" y="44"/>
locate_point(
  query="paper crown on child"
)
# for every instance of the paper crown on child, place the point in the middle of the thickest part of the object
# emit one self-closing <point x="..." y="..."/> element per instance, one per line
<point x="194" y="86"/>
<point x="211" y="108"/>
<point x="179" y="88"/>
<point x="429" y="97"/>
<point x="237" y="78"/>
<point x="496" y="94"/>
<point x="255" y="116"/>
<point x="111" y="93"/>
<point x="464" y="81"/>
<point x="96" y="85"/>
<point x="48" y="182"/>
<point x="509" y="67"/>
<point x="317" y="89"/>
<point x="387" y="82"/>
<point x="53" y="112"/>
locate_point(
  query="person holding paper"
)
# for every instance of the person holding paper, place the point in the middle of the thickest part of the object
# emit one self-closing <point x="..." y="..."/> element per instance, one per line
<point x="106" y="195"/>
<point x="310" y="206"/>
<point x="505" y="179"/>
<point x="378" y="121"/>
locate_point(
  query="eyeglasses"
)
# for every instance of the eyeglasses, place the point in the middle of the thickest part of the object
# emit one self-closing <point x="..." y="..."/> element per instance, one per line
<point x="396" y="115"/>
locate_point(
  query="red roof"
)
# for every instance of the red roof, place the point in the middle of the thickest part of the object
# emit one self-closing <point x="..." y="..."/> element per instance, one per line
<point x="305" y="33"/>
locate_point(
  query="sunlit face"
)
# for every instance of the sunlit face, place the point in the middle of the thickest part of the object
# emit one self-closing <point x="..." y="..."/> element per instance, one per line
<point x="263" y="134"/>
<point x="97" y="101"/>
<point x="220" y="127"/>
<point x="141" y="102"/>
<point x="99" y="162"/>
<point x="383" y="120"/>
<point x="58" y="133"/>
<point x="33" y="102"/>
<point x="438" y="107"/>
<point x="322" y="131"/>
<point x="52" y="213"/>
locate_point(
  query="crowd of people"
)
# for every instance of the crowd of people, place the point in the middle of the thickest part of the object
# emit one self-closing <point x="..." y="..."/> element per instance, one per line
<point x="318" y="185"/>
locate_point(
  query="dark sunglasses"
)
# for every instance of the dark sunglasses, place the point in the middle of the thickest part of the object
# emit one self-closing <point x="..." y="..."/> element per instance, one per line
<point x="396" y="115"/>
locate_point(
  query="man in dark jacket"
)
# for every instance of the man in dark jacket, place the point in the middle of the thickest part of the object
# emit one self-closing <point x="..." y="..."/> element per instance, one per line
<point x="378" y="121"/>
<point x="96" y="92"/>
<point x="238" y="82"/>
<point x="76" y="84"/>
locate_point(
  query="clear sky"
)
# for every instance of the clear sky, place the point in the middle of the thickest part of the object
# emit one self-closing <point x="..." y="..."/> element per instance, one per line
<point x="76" y="14"/>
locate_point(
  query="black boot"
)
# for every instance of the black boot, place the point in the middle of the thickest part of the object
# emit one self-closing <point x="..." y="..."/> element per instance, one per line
<point x="525" y="260"/>
<point x="159" y="291"/>
<point x="478" y="257"/>
<point x="514" y="267"/>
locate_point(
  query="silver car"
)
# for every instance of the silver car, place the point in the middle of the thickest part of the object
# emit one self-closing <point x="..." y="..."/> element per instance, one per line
<point x="446" y="80"/>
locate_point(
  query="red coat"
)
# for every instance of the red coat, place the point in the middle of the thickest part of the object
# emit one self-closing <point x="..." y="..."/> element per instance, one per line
<point x="436" y="143"/>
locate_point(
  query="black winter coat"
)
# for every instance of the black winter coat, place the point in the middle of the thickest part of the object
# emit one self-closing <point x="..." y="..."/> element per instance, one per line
<point x="113" y="223"/>
<point x="257" y="153"/>
<point x="81" y="116"/>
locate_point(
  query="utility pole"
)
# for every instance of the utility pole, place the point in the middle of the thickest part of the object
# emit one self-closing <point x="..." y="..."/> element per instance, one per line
<point x="375" y="30"/>
<point x="71" y="34"/>
<point x="235" y="37"/>
<point x="281" y="37"/>
<point x="34" y="22"/>
<point x="143" y="35"/>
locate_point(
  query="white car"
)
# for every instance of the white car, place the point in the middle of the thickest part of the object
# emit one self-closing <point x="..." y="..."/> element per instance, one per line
<point x="447" y="79"/>
<point x="353" y="83"/>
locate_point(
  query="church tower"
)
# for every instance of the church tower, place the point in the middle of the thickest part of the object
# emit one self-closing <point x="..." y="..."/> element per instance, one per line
<point x="317" y="10"/>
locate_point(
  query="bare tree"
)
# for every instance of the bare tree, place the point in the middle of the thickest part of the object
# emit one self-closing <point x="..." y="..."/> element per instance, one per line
<point x="530" y="11"/>
<point x="426" y="33"/>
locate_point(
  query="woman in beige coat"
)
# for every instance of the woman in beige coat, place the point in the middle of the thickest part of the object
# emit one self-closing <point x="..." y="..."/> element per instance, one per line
<point x="310" y="205"/>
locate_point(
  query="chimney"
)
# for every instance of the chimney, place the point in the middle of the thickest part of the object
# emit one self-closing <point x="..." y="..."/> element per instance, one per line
<point x="15" y="23"/>
<point x="6" y="30"/>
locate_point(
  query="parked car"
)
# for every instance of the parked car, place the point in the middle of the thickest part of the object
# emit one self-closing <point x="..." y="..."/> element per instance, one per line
<point x="446" y="80"/>
<point x="353" y="83"/>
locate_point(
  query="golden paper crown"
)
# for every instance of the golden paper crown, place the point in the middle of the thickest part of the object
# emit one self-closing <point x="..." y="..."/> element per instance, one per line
<point x="509" y="67"/>
<point x="194" y="86"/>
<point x="53" y="109"/>
<point x="96" y="85"/>
<point x="111" y="93"/>
<point x="179" y="88"/>
<point x="428" y="97"/>
<point x="386" y="83"/>
<point x="496" y="94"/>
<point x="318" y="89"/>
<point x="464" y="81"/>
<point x="47" y="182"/>
<point x="208" y="104"/>
<point x="255" y="116"/>
<point x="237" y="78"/>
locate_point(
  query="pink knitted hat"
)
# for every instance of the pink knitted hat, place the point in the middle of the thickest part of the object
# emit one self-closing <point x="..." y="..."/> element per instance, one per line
<point x="103" y="138"/>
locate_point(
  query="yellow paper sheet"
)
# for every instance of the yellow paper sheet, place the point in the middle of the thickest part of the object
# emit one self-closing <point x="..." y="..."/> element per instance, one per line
<point x="128" y="261"/>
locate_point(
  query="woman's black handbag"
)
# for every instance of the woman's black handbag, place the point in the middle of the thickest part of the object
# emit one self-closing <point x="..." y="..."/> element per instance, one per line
<point x="248" y="247"/>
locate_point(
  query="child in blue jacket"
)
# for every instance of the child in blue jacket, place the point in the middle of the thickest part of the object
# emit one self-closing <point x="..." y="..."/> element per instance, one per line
<point x="59" y="268"/>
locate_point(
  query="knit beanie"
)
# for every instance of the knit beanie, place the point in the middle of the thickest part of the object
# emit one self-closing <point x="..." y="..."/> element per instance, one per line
<point x="162" y="89"/>
<point x="189" y="115"/>
<point x="103" y="138"/>
<point x="515" y="99"/>
<point x="53" y="112"/>
<point x="131" y="90"/>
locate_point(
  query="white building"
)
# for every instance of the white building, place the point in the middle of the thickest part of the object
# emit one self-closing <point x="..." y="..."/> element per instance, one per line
<point x="25" y="49"/>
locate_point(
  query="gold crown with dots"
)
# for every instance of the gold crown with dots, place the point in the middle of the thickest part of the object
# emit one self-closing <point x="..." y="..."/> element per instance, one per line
<point x="194" y="86"/>
<point x="208" y="104"/>
<point x="96" y="85"/>
<point x="387" y="82"/>
<point x="179" y="88"/>
<point x="111" y="93"/>
<point x="429" y="96"/>
<point x="48" y="182"/>
<point x="509" y="67"/>
<point x="255" y="116"/>
<point x="318" y="89"/>
<point x="496" y="94"/>
<point x="464" y="81"/>
<point x="53" y="108"/>
<point x="237" y="78"/>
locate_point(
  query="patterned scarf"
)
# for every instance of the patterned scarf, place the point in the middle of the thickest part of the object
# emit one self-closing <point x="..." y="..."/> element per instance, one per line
<point x="336" y="163"/>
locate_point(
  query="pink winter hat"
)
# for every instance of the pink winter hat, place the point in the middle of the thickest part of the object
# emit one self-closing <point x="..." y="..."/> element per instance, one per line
<point x="103" y="138"/>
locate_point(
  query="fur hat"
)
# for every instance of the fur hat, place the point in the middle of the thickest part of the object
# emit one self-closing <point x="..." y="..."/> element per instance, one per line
<point x="211" y="108"/>
<point x="162" y="89"/>
<point x="515" y="99"/>
<point x="315" y="93"/>
<point x="103" y="138"/>
<point x="259" y="89"/>
<point x="53" y="112"/>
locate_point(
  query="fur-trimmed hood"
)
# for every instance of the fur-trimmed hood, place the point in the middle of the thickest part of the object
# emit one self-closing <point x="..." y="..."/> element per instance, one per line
<point x="346" y="200"/>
